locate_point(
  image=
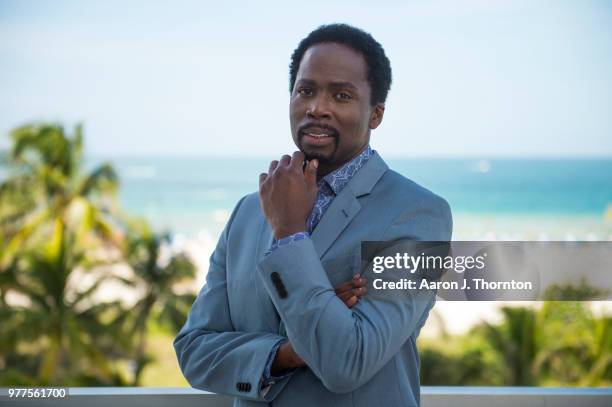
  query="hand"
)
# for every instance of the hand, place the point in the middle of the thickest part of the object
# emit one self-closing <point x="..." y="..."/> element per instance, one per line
<point x="287" y="194"/>
<point x="351" y="291"/>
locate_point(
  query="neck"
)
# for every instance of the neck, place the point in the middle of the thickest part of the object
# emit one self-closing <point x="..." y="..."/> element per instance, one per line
<point x="326" y="168"/>
<point x="323" y="170"/>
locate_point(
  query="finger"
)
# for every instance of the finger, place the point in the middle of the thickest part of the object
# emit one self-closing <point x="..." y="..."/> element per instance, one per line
<point x="358" y="280"/>
<point x="359" y="292"/>
<point x="344" y="287"/>
<point x="351" y="301"/>
<point x="262" y="177"/>
<point x="285" y="160"/>
<point x="310" y="173"/>
<point x="297" y="160"/>
<point x="344" y="297"/>
<point x="349" y="285"/>
<point x="273" y="166"/>
<point x="360" y="283"/>
<point x="352" y="283"/>
<point x="343" y="291"/>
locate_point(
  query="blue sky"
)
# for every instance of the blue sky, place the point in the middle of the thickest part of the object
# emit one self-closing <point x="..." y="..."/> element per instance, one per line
<point x="470" y="78"/>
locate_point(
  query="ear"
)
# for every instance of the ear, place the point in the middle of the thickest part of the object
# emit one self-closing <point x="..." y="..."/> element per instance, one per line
<point x="376" y="116"/>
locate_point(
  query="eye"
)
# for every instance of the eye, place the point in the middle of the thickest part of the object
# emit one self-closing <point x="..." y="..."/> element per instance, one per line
<point x="343" y="96"/>
<point x="304" y="91"/>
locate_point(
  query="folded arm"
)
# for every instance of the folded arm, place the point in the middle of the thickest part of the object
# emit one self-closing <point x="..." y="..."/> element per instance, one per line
<point x="346" y="347"/>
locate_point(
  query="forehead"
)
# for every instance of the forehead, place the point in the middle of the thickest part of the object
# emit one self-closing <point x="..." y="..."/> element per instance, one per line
<point x="332" y="62"/>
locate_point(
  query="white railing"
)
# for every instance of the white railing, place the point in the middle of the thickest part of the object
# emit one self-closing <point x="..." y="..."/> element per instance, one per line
<point x="431" y="396"/>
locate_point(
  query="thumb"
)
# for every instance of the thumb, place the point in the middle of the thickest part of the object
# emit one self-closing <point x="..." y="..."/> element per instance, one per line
<point x="310" y="174"/>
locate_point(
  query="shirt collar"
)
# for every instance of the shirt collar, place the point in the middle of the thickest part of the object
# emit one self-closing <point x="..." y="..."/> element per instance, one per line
<point x="338" y="178"/>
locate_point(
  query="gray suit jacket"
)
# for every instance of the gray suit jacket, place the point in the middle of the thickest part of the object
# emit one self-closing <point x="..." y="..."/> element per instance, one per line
<point x="363" y="356"/>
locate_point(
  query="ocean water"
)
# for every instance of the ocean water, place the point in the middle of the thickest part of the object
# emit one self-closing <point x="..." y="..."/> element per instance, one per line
<point x="552" y="198"/>
<point x="187" y="195"/>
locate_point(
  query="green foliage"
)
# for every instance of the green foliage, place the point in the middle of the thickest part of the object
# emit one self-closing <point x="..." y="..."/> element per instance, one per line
<point x="157" y="273"/>
<point x="561" y="344"/>
<point x="60" y="226"/>
<point x="582" y="291"/>
<point x="515" y="340"/>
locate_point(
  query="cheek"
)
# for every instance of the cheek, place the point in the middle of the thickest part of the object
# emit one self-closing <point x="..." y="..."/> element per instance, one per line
<point x="295" y="112"/>
<point x="296" y="104"/>
<point x="355" y="125"/>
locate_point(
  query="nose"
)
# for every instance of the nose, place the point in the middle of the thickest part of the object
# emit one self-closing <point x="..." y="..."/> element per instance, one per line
<point x="318" y="108"/>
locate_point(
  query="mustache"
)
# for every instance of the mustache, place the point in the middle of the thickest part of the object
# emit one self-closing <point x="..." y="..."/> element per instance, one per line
<point x="302" y="129"/>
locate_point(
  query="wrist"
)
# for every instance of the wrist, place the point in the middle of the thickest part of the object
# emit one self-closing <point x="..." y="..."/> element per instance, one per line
<point x="281" y="361"/>
<point x="294" y="359"/>
<point x="285" y="359"/>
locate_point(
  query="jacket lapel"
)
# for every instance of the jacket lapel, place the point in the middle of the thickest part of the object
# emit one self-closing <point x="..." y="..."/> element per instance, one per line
<point x="339" y="214"/>
<point x="346" y="206"/>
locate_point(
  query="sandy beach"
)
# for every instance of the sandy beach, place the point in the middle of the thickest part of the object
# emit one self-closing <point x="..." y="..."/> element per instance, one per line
<point x="458" y="317"/>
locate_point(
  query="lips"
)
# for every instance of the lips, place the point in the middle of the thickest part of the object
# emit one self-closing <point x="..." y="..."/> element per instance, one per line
<point x="318" y="140"/>
<point x="319" y="131"/>
<point x="317" y="135"/>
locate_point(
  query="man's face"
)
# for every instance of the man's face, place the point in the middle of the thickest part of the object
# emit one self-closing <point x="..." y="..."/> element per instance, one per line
<point x="330" y="110"/>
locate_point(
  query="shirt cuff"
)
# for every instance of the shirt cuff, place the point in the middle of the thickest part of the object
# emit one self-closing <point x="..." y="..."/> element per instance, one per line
<point x="267" y="380"/>
<point x="287" y="240"/>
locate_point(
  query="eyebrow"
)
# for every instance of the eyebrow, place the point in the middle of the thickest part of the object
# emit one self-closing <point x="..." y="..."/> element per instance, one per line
<point x="336" y="84"/>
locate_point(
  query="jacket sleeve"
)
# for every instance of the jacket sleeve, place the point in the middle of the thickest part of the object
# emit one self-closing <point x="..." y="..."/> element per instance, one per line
<point x="212" y="355"/>
<point x="346" y="347"/>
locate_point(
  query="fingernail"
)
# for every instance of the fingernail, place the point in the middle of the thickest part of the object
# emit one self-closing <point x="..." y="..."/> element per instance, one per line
<point x="356" y="276"/>
<point x="315" y="163"/>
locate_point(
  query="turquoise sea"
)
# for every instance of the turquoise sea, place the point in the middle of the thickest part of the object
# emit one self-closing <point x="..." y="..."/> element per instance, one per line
<point x="187" y="195"/>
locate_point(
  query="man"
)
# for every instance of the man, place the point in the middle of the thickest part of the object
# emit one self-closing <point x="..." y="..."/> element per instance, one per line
<point x="269" y="327"/>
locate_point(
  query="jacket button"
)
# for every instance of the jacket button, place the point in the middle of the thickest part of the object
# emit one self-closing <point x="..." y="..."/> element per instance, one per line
<point x="243" y="386"/>
<point x="278" y="284"/>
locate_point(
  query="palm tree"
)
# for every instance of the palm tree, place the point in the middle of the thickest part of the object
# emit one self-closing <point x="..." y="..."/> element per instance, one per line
<point x="560" y="344"/>
<point x="54" y="218"/>
<point x="515" y="341"/>
<point x="157" y="273"/>
<point x="600" y="373"/>
<point x="47" y="181"/>
<point x="575" y="346"/>
<point x="65" y="325"/>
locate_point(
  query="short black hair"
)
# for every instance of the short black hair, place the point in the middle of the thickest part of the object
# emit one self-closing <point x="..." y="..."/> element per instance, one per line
<point x="378" y="65"/>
